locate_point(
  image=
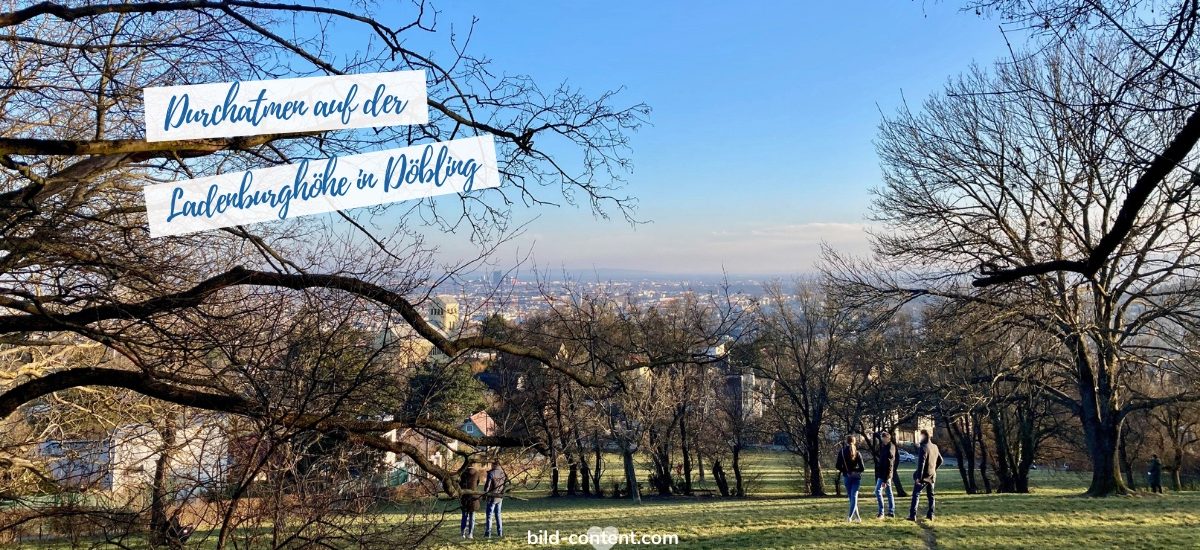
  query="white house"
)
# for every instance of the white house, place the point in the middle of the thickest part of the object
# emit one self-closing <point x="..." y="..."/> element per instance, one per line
<point x="124" y="461"/>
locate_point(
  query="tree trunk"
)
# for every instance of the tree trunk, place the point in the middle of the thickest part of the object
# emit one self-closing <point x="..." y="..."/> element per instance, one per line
<point x="631" y="476"/>
<point x="1126" y="462"/>
<point x="554" y="489"/>
<point x="687" y="455"/>
<point x="1028" y="451"/>
<point x="1101" y="418"/>
<point x="159" y="523"/>
<point x="897" y="484"/>
<point x="1003" y="466"/>
<point x="598" y="468"/>
<point x="1177" y="467"/>
<point x="812" y="459"/>
<point x="983" y="452"/>
<point x="959" y="430"/>
<point x="739" y="487"/>
<point x="662" y="478"/>
<point x="1102" y="438"/>
<point x="585" y="476"/>
<point x="573" y="479"/>
<point x="719" y="478"/>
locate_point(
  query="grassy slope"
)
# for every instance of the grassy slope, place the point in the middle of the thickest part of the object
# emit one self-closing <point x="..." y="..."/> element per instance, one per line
<point x="1054" y="516"/>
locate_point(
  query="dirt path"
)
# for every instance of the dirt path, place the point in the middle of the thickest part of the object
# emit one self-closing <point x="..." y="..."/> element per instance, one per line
<point x="928" y="534"/>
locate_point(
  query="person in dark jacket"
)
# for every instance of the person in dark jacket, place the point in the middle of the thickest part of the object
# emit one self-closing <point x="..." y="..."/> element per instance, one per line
<point x="850" y="464"/>
<point x="493" y="486"/>
<point x="468" y="481"/>
<point x="885" y="466"/>
<point x="1155" y="474"/>
<point x="929" y="459"/>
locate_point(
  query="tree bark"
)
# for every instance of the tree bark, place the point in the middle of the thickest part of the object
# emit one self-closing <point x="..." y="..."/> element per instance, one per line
<point x="719" y="478"/>
<point x="631" y="476"/>
<point x="739" y="486"/>
<point x="687" y="455"/>
<point x="159" y="523"/>
<point x="983" y="452"/>
<point x="898" y="485"/>
<point x="1126" y="462"/>
<point x="554" y="488"/>
<point x="585" y="476"/>
<point x="573" y="479"/>
<point x="812" y="459"/>
<point x="598" y="468"/>
<point x="1101" y="419"/>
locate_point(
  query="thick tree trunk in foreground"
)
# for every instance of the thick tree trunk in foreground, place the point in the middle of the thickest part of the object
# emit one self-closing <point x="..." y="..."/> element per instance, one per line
<point x="1103" y="436"/>
<point x="1101" y="418"/>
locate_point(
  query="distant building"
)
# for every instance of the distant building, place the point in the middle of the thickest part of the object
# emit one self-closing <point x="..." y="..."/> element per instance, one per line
<point x="909" y="432"/>
<point x="435" y="450"/>
<point x="479" y="424"/>
<point x="442" y="313"/>
<point x="755" y="393"/>
<point x="124" y="461"/>
<point x="406" y="348"/>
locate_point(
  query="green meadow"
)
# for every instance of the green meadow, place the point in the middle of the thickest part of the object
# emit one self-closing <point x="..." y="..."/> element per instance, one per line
<point x="774" y="516"/>
<point x="1053" y="516"/>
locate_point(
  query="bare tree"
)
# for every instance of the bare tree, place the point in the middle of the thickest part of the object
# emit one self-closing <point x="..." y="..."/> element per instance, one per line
<point x="806" y="344"/>
<point x="211" y="321"/>
<point x="986" y="175"/>
<point x="1157" y="73"/>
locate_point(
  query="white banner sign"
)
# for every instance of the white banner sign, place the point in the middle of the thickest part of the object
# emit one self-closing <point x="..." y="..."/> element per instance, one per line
<point x="326" y="185"/>
<point x="287" y="105"/>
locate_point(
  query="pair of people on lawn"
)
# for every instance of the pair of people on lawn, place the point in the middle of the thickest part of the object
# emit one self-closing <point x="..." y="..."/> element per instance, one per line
<point x="493" y="491"/>
<point x="850" y="465"/>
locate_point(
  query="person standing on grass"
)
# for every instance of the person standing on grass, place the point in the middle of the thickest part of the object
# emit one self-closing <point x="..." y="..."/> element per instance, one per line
<point x="493" y="486"/>
<point x="1155" y="474"/>
<point x="885" y="467"/>
<point x="468" y="481"/>
<point x="929" y="459"/>
<point x="850" y="464"/>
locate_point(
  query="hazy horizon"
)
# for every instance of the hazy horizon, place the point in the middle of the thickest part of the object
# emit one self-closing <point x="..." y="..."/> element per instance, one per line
<point x="749" y="185"/>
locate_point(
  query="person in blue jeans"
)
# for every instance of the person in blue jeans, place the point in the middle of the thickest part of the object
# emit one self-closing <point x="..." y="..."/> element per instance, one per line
<point x="493" y="487"/>
<point x="850" y="464"/>
<point x="885" y="468"/>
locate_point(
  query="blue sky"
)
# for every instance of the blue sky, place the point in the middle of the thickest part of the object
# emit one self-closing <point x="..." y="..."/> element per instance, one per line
<point x="760" y="143"/>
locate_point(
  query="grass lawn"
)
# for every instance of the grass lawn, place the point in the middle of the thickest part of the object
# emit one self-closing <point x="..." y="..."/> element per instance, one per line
<point x="1054" y="516"/>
